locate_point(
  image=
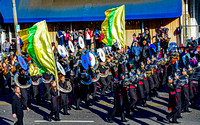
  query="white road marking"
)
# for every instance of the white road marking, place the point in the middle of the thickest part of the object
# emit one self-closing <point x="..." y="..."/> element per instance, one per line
<point x="75" y="121"/>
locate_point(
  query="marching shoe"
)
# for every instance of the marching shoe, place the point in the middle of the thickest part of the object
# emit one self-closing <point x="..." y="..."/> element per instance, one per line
<point x="88" y="104"/>
<point x="188" y="111"/>
<point x="134" y="110"/>
<point x="49" y="118"/>
<point x="168" y="119"/>
<point x="175" y="122"/>
<point x="124" y="120"/>
<point x="78" y="109"/>
<point x="179" y="116"/>
<point x="66" y="113"/>
<point x="144" y="105"/>
<point x="109" y="120"/>
<point x="57" y="119"/>
<point x="95" y="99"/>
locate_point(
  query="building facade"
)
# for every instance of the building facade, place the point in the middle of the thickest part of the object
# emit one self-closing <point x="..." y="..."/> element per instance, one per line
<point x="190" y="20"/>
<point x="83" y="13"/>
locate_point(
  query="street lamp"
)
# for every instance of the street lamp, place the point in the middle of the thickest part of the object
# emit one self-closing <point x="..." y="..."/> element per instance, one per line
<point x="15" y="24"/>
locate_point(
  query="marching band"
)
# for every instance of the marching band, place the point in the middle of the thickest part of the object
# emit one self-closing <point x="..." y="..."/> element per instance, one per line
<point x="132" y="80"/>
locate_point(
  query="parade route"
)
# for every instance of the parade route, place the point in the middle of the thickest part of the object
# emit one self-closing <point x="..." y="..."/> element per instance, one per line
<point x="124" y="62"/>
<point x="63" y="121"/>
<point x="95" y="115"/>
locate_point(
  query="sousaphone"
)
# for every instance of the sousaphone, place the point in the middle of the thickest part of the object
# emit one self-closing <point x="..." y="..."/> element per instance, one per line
<point x="68" y="90"/>
<point x="28" y="83"/>
<point x="81" y="42"/>
<point x="89" y="80"/>
<point x="107" y="51"/>
<point x="22" y="63"/>
<point x="84" y="60"/>
<point x="60" y="68"/>
<point x="71" y="46"/>
<point x="101" y="54"/>
<point x="62" y="51"/>
<point x="36" y="82"/>
<point x="119" y="44"/>
<point x="91" y="59"/>
<point x="47" y="81"/>
<point x="62" y="71"/>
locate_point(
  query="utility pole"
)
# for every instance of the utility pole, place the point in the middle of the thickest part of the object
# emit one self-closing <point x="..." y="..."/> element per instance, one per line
<point x="16" y="23"/>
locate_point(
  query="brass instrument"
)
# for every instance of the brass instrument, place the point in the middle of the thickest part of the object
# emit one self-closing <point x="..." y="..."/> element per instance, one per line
<point x="37" y="82"/>
<point x="88" y="82"/>
<point x="105" y="74"/>
<point x="18" y="84"/>
<point x="149" y="73"/>
<point x="68" y="90"/>
<point x="98" y="76"/>
<point x="45" y="81"/>
<point x="13" y="68"/>
<point x="5" y="72"/>
<point x="128" y="81"/>
<point x="142" y="76"/>
<point x="97" y="63"/>
<point x="76" y="64"/>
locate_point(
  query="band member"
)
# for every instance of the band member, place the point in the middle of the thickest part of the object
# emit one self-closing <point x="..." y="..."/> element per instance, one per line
<point x="35" y="89"/>
<point x="79" y="53"/>
<point x="47" y="77"/>
<point x="145" y="81"/>
<point x="63" y="96"/>
<point x="150" y="77"/>
<point x="77" y="90"/>
<point x="124" y="94"/>
<point x="118" y="101"/>
<point x="165" y="72"/>
<point x="17" y="106"/>
<point x="178" y="93"/>
<point x="173" y="104"/>
<point x="109" y="78"/>
<point x="72" y="60"/>
<point x="102" y="80"/>
<point x="140" y="88"/>
<point x="6" y="72"/>
<point x="84" y="77"/>
<point x="156" y="82"/>
<point x="72" y="94"/>
<point x="192" y="87"/>
<point x="54" y="102"/>
<point x="133" y="95"/>
<point x="185" y="91"/>
<point x="13" y="64"/>
<point x="2" y="85"/>
<point x="23" y="80"/>
<point x="93" y="85"/>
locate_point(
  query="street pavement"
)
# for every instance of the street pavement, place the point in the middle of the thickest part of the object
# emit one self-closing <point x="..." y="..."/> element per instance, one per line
<point x="154" y="114"/>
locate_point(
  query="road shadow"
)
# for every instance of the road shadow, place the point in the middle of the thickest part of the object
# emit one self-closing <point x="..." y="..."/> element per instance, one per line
<point x="39" y="111"/>
<point x="4" y="121"/>
<point x="145" y="114"/>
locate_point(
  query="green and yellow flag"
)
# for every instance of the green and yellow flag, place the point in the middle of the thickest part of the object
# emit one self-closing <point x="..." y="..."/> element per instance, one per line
<point x="39" y="47"/>
<point x="113" y="26"/>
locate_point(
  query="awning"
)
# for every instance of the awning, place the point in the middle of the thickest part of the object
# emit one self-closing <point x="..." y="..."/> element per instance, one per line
<point x="87" y="10"/>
